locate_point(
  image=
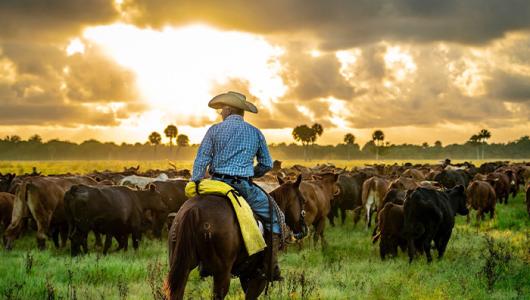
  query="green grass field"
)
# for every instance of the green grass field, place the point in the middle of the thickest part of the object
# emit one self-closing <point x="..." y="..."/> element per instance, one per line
<point x="490" y="261"/>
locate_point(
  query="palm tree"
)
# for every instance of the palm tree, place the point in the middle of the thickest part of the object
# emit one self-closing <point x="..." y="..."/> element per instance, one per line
<point x="378" y="137"/>
<point x="303" y="134"/>
<point x="155" y="139"/>
<point x="318" y="129"/>
<point x="474" y="140"/>
<point x="171" y="132"/>
<point x="483" y="136"/>
<point x="349" y="140"/>
<point x="36" y="139"/>
<point x="183" y="140"/>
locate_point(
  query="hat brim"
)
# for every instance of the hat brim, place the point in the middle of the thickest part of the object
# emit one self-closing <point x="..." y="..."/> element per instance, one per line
<point x="222" y="100"/>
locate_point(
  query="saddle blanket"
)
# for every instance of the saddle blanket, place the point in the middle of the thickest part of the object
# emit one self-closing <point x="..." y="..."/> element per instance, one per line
<point x="250" y="231"/>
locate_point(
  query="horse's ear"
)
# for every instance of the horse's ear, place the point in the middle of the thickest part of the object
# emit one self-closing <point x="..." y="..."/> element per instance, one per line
<point x="280" y="180"/>
<point x="298" y="181"/>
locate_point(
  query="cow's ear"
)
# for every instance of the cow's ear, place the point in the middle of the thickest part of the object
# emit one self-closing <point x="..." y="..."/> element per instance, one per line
<point x="298" y="181"/>
<point x="152" y="188"/>
<point x="280" y="180"/>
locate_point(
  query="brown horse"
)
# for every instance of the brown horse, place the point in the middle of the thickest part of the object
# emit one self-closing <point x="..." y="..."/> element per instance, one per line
<point x="205" y="233"/>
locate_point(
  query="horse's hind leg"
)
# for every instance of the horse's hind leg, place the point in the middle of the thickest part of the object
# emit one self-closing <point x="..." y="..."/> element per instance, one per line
<point x="319" y="232"/>
<point x="221" y="283"/>
<point x="253" y="287"/>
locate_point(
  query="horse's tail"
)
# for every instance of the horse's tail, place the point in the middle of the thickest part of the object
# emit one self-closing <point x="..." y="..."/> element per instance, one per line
<point x="182" y="252"/>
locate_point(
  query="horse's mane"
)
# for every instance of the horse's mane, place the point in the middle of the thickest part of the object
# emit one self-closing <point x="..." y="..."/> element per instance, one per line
<point x="280" y="195"/>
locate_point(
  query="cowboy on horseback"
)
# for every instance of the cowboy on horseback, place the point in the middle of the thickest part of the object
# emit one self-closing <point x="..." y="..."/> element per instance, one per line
<point x="228" y="150"/>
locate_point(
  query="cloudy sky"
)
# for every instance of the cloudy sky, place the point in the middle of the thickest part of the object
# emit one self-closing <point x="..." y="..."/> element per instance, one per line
<point x="420" y="70"/>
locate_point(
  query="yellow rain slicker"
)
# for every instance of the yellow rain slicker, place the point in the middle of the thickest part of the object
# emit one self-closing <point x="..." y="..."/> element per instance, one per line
<point x="252" y="237"/>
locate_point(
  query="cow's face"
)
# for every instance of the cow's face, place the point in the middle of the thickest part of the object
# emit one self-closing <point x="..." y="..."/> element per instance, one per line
<point x="460" y="195"/>
<point x="153" y="199"/>
<point x="5" y="182"/>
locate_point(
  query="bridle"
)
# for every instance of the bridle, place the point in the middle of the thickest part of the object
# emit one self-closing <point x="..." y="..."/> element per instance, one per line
<point x="300" y="235"/>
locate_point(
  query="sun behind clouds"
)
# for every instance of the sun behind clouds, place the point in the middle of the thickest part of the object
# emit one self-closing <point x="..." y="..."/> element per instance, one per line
<point x="177" y="68"/>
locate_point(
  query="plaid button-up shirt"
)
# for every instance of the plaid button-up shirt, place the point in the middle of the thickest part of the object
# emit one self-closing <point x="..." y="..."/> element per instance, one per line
<point x="230" y="147"/>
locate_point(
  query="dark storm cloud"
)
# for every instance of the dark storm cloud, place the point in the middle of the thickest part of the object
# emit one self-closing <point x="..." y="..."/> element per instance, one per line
<point x="34" y="34"/>
<point x="52" y="88"/>
<point x="313" y="77"/>
<point x="92" y="77"/>
<point x="510" y="87"/>
<point x="51" y="20"/>
<point x="373" y="62"/>
<point x="426" y="97"/>
<point x="50" y="114"/>
<point x="345" y="23"/>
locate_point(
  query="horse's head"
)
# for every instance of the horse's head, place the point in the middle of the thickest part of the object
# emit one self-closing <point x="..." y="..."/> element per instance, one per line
<point x="292" y="203"/>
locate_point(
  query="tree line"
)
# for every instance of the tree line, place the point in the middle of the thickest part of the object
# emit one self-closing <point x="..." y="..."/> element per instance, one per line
<point x="477" y="147"/>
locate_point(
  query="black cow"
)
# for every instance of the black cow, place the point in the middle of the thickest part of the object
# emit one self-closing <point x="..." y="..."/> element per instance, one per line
<point x="5" y="182"/>
<point x="452" y="178"/>
<point x="174" y="196"/>
<point x="430" y="215"/>
<point x="115" y="211"/>
<point x="395" y="196"/>
<point x="349" y="197"/>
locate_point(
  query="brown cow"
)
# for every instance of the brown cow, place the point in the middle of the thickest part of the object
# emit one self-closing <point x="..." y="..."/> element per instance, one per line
<point x="404" y="184"/>
<point x="501" y="184"/>
<point x="390" y="224"/>
<point x="318" y="195"/>
<point x="432" y="174"/>
<point x="42" y="197"/>
<point x="481" y="197"/>
<point x="374" y="191"/>
<point x="6" y="208"/>
<point x="414" y="174"/>
<point x="525" y="173"/>
<point x="512" y="173"/>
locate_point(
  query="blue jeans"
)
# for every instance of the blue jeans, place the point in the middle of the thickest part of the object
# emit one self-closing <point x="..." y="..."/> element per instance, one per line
<point x="257" y="199"/>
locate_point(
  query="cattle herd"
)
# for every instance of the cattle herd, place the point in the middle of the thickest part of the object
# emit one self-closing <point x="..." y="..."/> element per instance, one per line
<point x="411" y="206"/>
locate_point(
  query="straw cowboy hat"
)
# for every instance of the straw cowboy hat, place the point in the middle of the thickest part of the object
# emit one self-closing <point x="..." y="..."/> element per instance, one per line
<point x="233" y="99"/>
